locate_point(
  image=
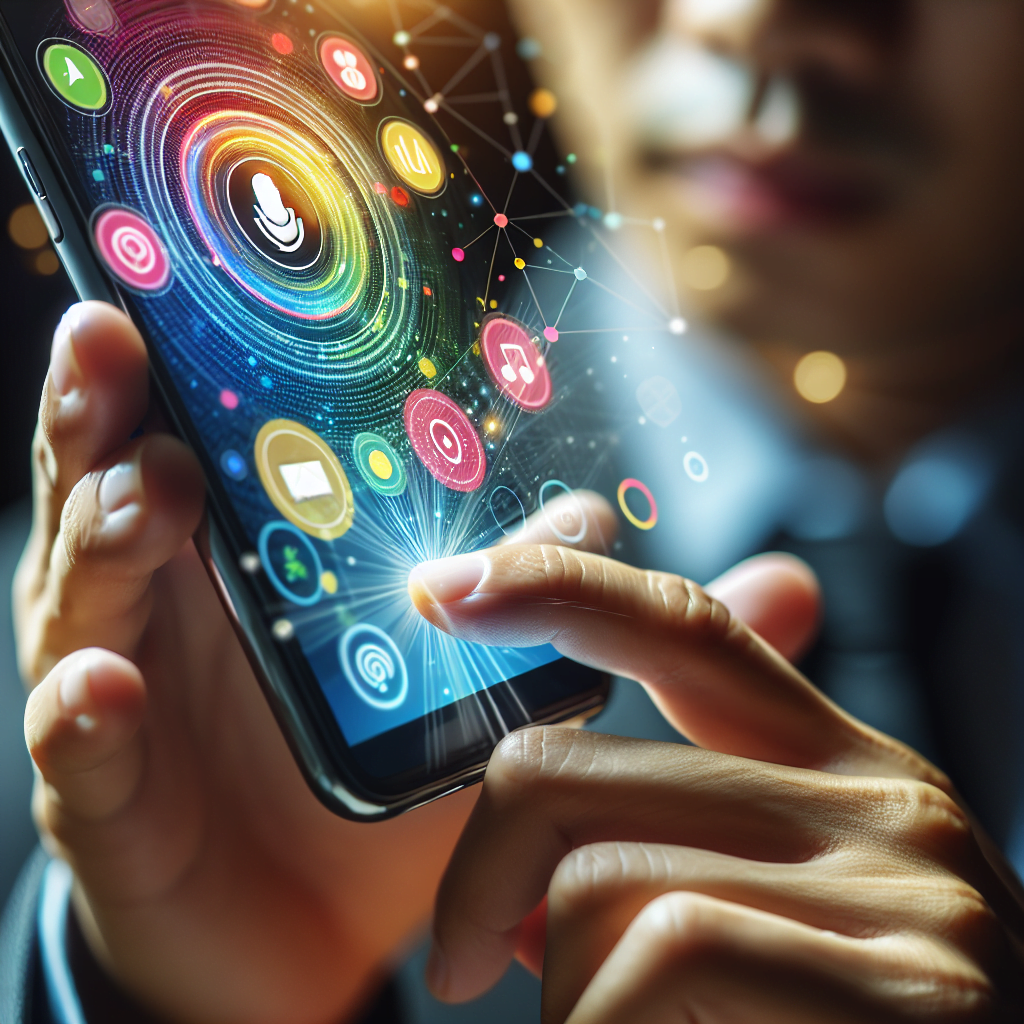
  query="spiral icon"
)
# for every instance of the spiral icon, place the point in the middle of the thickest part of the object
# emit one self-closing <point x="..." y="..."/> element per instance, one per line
<point x="374" y="667"/>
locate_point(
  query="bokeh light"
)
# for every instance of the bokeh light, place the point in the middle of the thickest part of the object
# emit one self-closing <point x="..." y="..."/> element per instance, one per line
<point x="26" y="228"/>
<point x="706" y="268"/>
<point x="543" y="103"/>
<point x="820" y="377"/>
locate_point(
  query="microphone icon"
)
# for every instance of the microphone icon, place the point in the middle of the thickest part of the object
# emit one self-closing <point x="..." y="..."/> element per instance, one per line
<point x="278" y="224"/>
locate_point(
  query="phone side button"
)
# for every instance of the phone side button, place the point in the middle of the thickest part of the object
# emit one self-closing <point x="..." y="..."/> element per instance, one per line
<point x="31" y="174"/>
<point x="50" y="219"/>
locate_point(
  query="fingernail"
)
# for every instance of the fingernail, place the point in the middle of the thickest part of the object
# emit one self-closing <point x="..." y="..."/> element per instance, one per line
<point x="450" y="579"/>
<point x="76" y="698"/>
<point x="65" y="371"/>
<point x="121" y="486"/>
<point x="437" y="971"/>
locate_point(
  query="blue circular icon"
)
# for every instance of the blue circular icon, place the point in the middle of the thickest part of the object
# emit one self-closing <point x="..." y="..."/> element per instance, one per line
<point x="234" y="464"/>
<point x="507" y="509"/>
<point x="374" y="667"/>
<point x="291" y="563"/>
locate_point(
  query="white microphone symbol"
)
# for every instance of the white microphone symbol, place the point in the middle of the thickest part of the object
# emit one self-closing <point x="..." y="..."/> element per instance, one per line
<point x="280" y="226"/>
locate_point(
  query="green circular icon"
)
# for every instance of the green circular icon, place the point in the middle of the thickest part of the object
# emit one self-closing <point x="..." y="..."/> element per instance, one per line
<point x="379" y="465"/>
<point x="75" y="77"/>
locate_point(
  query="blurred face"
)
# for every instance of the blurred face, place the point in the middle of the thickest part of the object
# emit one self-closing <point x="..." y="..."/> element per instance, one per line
<point x="860" y="161"/>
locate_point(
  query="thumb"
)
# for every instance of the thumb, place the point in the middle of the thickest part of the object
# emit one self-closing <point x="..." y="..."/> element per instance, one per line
<point x="777" y="596"/>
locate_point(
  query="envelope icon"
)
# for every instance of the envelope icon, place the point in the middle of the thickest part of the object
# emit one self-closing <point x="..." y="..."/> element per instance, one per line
<point x="306" y="480"/>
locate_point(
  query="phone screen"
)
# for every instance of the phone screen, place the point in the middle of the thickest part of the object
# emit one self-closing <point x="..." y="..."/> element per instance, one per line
<point x="293" y="230"/>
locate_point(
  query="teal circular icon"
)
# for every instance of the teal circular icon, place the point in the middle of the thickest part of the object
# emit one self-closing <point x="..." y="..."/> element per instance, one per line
<point x="379" y="465"/>
<point x="291" y="563"/>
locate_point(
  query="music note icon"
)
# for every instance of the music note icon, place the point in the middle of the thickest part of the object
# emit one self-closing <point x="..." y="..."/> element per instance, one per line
<point x="508" y="371"/>
<point x="515" y="363"/>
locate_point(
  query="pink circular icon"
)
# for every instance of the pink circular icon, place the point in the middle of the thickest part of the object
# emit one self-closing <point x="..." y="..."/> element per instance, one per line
<point x="445" y="440"/>
<point x="515" y="364"/>
<point x="349" y="69"/>
<point x="131" y="249"/>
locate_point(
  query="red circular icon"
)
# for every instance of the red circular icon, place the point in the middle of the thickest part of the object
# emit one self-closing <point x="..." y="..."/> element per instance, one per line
<point x="515" y="364"/>
<point x="132" y="249"/>
<point x="349" y="69"/>
<point x="445" y="440"/>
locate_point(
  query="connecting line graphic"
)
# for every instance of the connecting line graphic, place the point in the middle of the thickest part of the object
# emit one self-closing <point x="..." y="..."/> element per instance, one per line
<point x="434" y="25"/>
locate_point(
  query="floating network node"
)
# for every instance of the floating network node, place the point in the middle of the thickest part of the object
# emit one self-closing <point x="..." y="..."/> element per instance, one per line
<point x="677" y="326"/>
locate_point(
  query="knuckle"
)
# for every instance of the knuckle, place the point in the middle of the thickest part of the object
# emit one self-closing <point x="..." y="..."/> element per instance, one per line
<point x="682" y="604"/>
<point x="684" y="925"/>
<point x="527" y="759"/>
<point x="921" y="817"/>
<point x="594" y="875"/>
<point x="79" y="526"/>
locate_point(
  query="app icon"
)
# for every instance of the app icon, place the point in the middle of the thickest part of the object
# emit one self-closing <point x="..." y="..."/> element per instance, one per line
<point x="379" y="465"/>
<point x="74" y="76"/>
<point x="374" y="667"/>
<point x="291" y="563"/>
<point x="131" y="249"/>
<point x="349" y="69"/>
<point x="274" y="213"/>
<point x="304" y="479"/>
<point x="636" y="485"/>
<point x="445" y="440"/>
<point x="515" y="363"/>
<point x="412" y="156"/>
<point x="95" y="16"/>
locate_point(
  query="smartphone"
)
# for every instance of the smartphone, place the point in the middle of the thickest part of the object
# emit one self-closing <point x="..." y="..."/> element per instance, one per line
<point x="264" y="187"/>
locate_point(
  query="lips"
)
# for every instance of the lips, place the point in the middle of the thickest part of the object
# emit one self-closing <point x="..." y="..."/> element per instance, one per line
<point x="792" y="190"/>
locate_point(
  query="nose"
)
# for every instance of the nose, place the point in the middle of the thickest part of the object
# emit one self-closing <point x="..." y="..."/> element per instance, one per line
<point x="850" y="39"/>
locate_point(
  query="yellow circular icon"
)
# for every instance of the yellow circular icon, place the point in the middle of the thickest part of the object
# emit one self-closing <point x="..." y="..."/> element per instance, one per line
<point x="304" y="479"/>
<point x="412" y="156"/>
<point x="381" y="466"/>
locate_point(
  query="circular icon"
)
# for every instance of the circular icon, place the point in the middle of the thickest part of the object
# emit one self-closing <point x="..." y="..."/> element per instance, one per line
<point x="696" y="467"/>
<point x="304" y="479"/>
<point x="507" y="509"/>
<point x="635" y="485"/>
<point x="95" y="16"/>
<point x="275" y="213"/>
<point x="412" y="156"/>
<point x="445" y="440"/>
<point x="515" y="364"/>
<point x="379" y="465"/>
<point x="291" y="564"/>
<point x="233" y="463"/>
<point x="374" y="667"/>
<point x="349" y="69"/>
<point x="74" y="76"/>
<point x="566" y="518"/>
<point x="131" y="249"/>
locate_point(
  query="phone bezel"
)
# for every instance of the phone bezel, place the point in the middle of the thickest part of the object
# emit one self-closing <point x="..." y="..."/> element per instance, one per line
<point x="325" y="758"/>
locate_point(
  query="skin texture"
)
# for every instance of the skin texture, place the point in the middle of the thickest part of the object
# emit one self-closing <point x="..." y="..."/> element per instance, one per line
<point x="211" y="883"/>
<point x="913" y="110"/>
<point x="800" y="867"/>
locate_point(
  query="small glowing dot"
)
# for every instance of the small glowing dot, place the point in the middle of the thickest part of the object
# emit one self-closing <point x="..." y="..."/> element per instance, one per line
<point x="380" y="188"/>
<point x="501" y="220"/>
<point x="329" y="582"/>
<point x="613" y="221"/>
<point x="229" y="399"/>
<point x="412" y="62"/>
<point x="402" y="38"/>
<point x="433" y="105"/>
<point x="494" y="303"/>
<point x="501" y="277"/>
<point x="458" y="255"/>
<point x="492" y="427"/>
<point x="250" y="562"/>
<point x="580" y="274"/>
<point x="283" y="631"/>
<point x="543" y="103"/>
<point x="282" y="44"/>
<point x="520" y="263"/>
<point x="676" y="326"/>
<point x="511" y="118"/>
<point x="26" y="227"/>
<point x="705" y="268"/>
<point x="659" y="225"/>
<point x="551" y="333"/>
<point x="522" y="162"/>
<point x="350" y="561"/>
<point x="427" y="368"/>
<point x="820" y="377"/>
<point x="538" y="243"/>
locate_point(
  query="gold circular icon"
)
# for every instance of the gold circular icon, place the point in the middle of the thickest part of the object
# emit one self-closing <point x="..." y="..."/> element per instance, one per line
<point x="304" y="479"/>
<point x="412" y="156"/>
